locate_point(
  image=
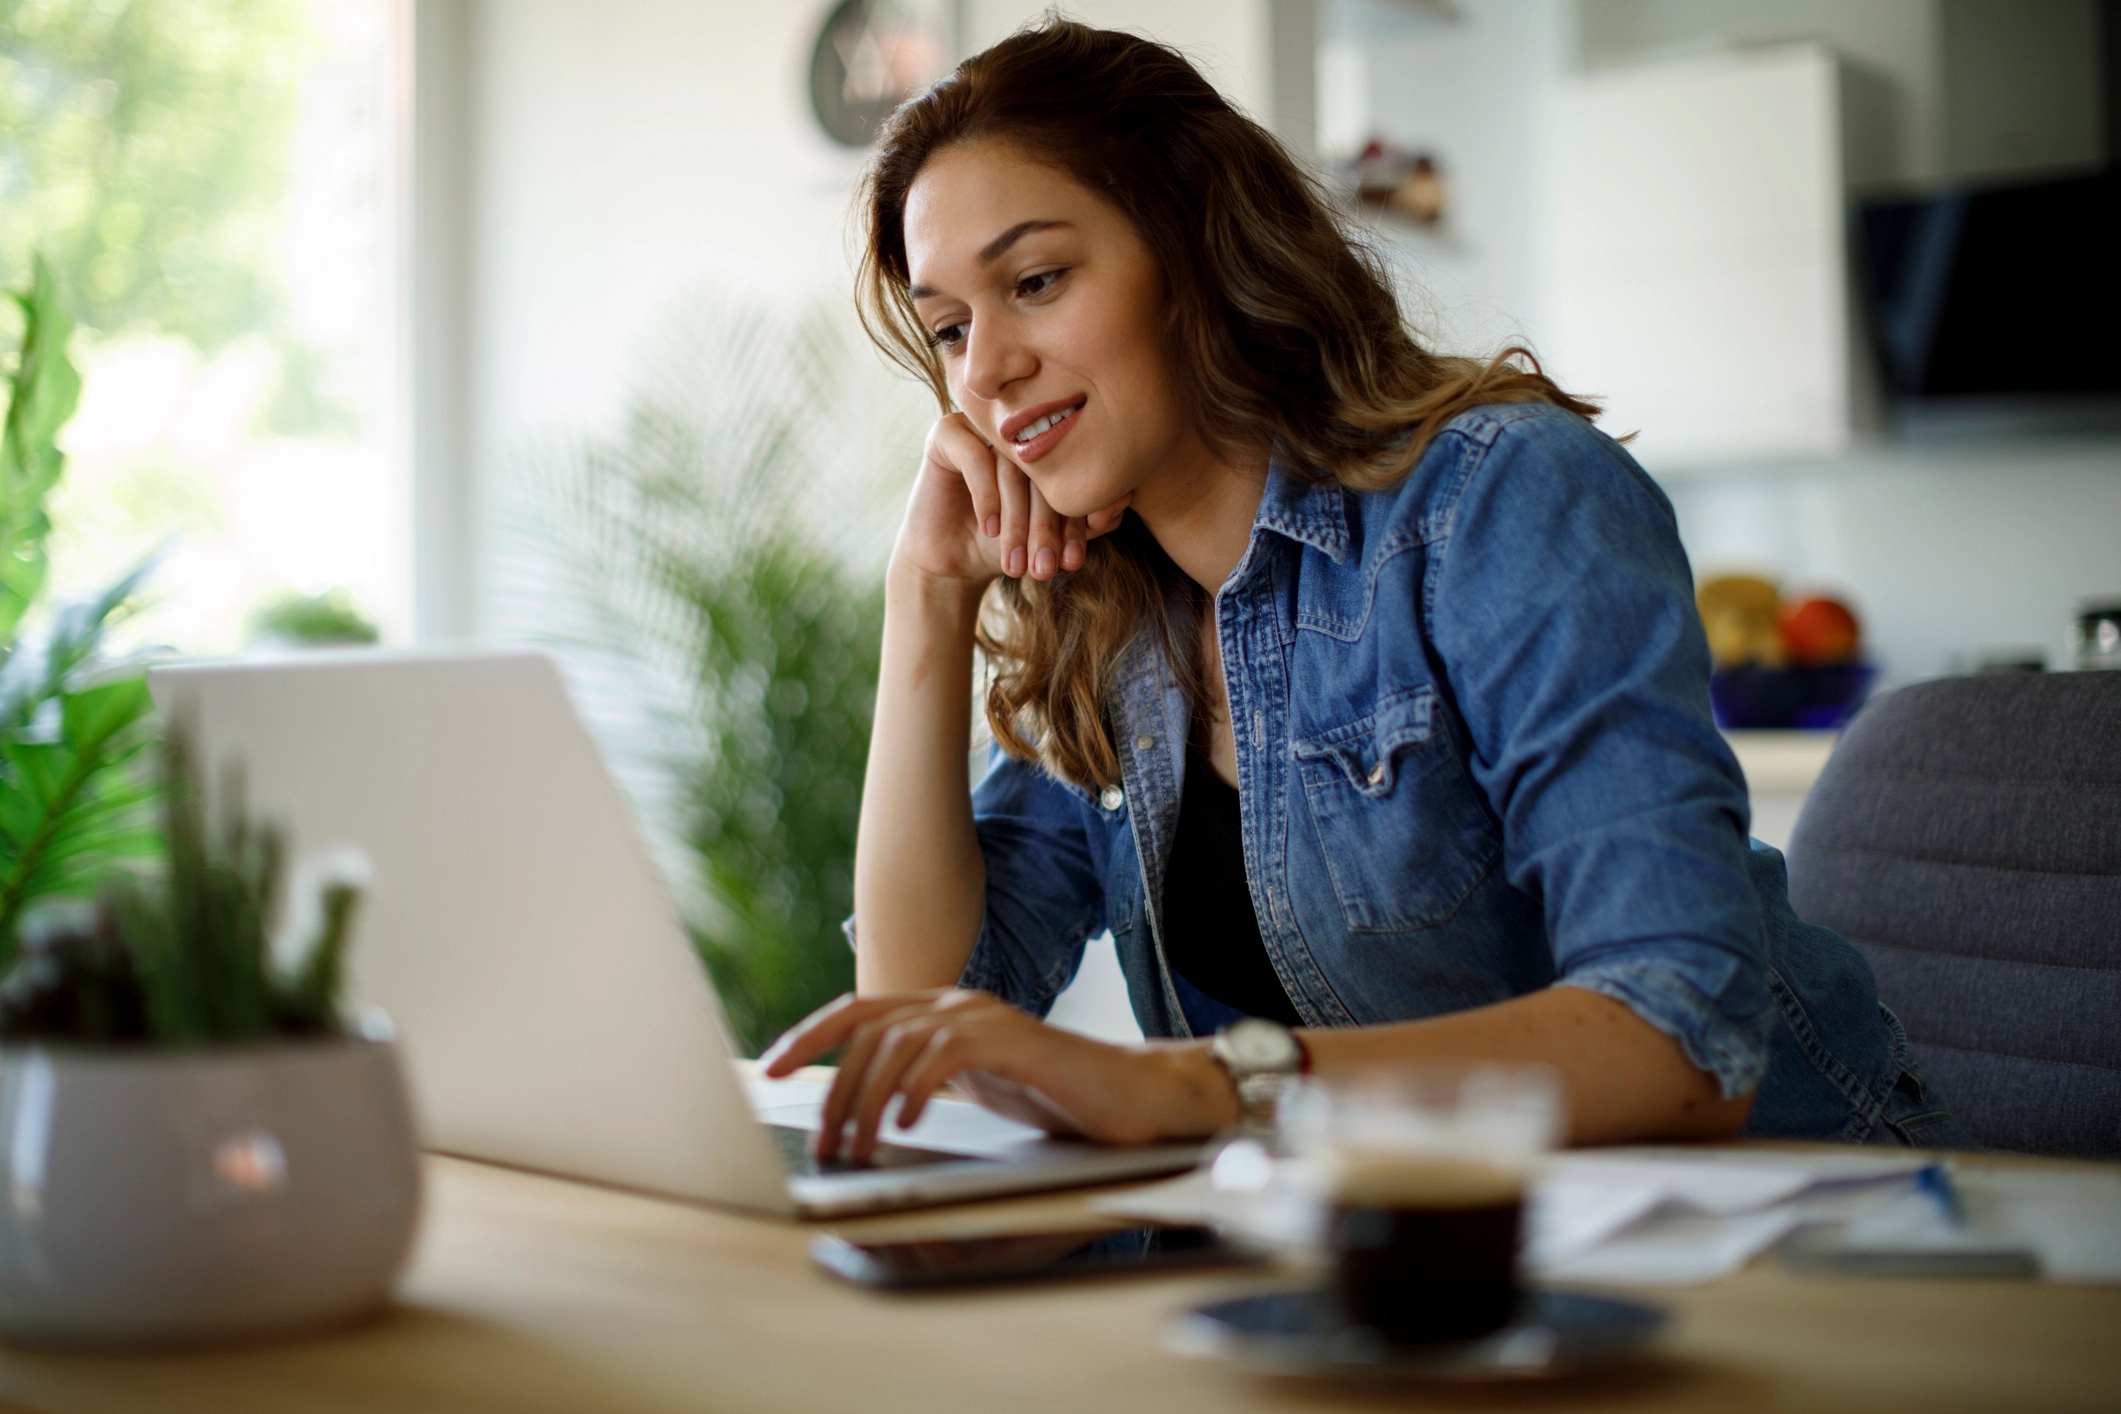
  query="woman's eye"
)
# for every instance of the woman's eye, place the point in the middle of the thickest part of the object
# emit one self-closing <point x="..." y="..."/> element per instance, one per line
<point x="1038" y="284"/>
<point x="947" y="337"/>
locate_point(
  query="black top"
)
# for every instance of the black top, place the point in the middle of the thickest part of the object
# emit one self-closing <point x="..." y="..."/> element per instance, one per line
<point x="1211" y="934"/>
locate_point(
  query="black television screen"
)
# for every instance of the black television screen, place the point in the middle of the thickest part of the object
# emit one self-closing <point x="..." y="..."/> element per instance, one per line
<point x="2005" y="291"/>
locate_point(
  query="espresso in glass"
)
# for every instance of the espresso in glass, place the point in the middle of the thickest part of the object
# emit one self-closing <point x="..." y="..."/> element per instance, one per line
<point x="1424" y="1247"/>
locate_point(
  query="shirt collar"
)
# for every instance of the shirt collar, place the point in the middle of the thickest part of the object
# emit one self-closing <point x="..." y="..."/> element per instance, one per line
<point x="1311" y="511"/>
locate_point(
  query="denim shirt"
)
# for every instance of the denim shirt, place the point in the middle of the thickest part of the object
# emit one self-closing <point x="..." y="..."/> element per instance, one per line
<point x="1475" y="759"/>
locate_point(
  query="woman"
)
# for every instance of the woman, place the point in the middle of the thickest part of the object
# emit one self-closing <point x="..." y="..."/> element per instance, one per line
<point x="1352" y="687"/>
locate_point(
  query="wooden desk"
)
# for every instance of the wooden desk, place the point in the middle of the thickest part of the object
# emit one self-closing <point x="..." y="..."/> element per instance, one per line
<point x="533" y="1294"/>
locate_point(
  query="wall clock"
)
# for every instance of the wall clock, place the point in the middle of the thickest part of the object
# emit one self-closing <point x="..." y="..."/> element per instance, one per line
<point x="871" y="56"/>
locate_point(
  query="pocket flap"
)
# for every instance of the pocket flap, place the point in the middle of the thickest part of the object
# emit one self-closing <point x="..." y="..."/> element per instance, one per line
<point x="1367" y="751"/>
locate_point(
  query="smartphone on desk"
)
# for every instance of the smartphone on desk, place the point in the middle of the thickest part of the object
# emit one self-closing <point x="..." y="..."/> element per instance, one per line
<point x="1026" y="1256"/>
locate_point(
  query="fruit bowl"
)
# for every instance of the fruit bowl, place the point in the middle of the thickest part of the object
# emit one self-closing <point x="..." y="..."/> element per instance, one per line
<point x="1808" y="699"/>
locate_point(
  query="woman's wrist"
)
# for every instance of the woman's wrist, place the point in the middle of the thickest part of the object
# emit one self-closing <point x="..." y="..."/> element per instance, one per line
<point x="908" y="586"/>
<point x="1198" y="1096"/>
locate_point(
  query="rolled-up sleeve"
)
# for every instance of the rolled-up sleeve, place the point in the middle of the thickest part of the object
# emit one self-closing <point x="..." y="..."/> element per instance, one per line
<point x="1045" y="898"/>
<point x="1562" y="605"/>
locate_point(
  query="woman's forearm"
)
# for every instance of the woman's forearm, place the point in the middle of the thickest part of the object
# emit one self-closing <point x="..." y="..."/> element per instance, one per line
<point x="1626" y="1081"/>
<point x="919" y="882"/>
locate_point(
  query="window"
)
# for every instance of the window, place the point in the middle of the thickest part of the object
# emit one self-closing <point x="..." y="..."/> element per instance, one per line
<point x="215" y="185"/>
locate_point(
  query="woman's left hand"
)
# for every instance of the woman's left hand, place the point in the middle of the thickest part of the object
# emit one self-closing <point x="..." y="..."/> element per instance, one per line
<point x="911" y="1043"/>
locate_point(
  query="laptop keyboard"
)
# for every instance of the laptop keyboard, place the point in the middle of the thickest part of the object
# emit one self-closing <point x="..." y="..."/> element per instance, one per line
<point x="801" y="1161"/>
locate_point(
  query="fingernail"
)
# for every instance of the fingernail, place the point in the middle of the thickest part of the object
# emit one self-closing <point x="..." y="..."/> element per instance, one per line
<point x="1072" y="555"/>
<point x="1016" y="563"/>
<point x="993" y="526"/>
<point x="1045" y="564"/>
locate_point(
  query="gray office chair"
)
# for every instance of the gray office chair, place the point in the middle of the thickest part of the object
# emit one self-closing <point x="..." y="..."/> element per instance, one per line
<point x="1966" y="836"/>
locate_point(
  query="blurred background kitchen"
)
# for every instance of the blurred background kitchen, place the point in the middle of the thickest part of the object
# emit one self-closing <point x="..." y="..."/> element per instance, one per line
<point x="435" y="321"/>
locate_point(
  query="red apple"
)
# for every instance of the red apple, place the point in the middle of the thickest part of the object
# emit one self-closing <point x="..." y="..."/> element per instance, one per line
<point x="1819" y="632"/>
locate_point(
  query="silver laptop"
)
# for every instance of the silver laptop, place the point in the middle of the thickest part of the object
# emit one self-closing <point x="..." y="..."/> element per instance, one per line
<point x="550" y="1007"/>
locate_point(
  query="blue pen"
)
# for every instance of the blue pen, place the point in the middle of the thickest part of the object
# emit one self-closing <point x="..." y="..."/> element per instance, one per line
<point x="1936" y="1181"/>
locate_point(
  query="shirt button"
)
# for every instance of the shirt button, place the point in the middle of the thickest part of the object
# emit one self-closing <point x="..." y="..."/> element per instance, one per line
<point x="1143" y="743"/>
<point x="1377" y="774"/>
<point x="1112" y="797"/>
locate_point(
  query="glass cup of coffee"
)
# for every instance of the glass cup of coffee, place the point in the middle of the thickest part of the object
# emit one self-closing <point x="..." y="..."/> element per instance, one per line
<point x="1420" y="1172"/>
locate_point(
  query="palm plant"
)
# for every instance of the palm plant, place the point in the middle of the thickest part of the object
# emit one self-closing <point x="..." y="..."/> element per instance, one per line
<point x="71" y="803"/>
<point x="716" y="548"/>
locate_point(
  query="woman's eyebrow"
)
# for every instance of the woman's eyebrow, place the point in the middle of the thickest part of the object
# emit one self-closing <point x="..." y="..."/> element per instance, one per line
<point x="992" y="251"/>
<point x="995" y="248"/>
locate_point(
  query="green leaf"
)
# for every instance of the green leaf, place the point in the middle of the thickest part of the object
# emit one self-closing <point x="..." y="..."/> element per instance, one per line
<point x="309" y="994"/>
<point x="196" y="933"/>
<point x="42" y="395"/>
<point x="95" y="715"/>
<point x="69" y="810"/>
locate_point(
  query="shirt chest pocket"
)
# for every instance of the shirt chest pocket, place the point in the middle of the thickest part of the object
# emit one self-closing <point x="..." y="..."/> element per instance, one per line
<point x="1404" y="834"/>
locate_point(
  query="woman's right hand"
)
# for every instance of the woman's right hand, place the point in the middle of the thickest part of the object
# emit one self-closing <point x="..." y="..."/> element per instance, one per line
<point x="975" y="515"/>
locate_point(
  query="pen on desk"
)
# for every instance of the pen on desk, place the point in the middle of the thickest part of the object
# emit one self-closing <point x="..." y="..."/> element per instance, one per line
<point x="1936" y="1181"/>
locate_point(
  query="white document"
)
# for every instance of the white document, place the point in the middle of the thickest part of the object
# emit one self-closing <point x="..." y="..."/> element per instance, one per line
<point x="1679" y="1217"/>
<point x="2069" y="1220"/>
<point x="2071" y="1217"/>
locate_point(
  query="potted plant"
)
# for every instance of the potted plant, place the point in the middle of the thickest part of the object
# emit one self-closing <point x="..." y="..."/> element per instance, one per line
<point x="195" y="1144"/>
<point x="192" y="1143"/>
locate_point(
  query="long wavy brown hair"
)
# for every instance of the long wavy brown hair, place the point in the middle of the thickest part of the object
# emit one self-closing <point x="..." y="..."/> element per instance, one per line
<point x="1282" y="329"/>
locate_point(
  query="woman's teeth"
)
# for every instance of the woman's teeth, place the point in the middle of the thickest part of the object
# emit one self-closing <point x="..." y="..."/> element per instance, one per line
<point x="1044" y="425"/>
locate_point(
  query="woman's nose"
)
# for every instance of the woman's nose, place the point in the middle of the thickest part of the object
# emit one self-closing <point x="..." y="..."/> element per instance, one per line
<point x="995" y="358"/>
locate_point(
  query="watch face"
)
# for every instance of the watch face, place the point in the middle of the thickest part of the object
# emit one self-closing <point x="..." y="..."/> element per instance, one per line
<point x="1254" y="1045"/>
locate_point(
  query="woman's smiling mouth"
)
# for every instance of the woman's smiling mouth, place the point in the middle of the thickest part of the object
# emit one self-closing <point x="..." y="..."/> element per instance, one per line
<point x="1037" y="431"/>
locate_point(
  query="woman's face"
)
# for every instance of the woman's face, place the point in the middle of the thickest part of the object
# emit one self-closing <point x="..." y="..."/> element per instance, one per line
<point x="1047" y="310"/>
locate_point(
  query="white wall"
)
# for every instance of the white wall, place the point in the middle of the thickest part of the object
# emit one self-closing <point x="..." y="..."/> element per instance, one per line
<point x="1257" y="52"/>
<point x="624" y="153"/>
<point x="1469" y="92"/>
<point x="2023" y="83"/>
<point x="1226" y="39"/>
<point x="616" y="157"/>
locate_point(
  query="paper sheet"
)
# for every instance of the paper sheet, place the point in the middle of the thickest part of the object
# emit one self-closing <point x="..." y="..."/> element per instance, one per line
<point x="1677" y="1217"/>
<point x="2069" y="1219"/>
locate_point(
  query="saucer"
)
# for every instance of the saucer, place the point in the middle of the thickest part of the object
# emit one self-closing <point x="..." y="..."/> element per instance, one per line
<point x="1302" y="1332"/>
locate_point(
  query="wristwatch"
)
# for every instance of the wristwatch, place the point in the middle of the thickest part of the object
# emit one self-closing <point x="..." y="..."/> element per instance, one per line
<point x="1258" y="1055"/>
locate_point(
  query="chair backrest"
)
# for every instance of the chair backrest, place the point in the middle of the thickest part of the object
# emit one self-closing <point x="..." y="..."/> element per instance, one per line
<point x="1966" y="836"/>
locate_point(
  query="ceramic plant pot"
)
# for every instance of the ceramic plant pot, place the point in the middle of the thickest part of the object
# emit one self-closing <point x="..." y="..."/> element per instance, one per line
<point x="150" y="1197"/>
